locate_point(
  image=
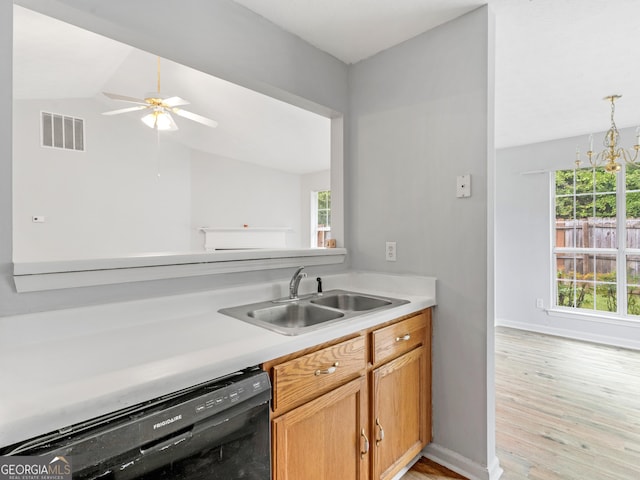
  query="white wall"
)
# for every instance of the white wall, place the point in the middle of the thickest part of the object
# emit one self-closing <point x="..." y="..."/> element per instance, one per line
<point x="125" y="194"/>
<point x="236" y="45"/>
<point x="265" y="198"/>
<point x="311" y="182"/>
<point x="523" y="248"/>
<point x="131" y="193"/>
<point x="421" y="113"/>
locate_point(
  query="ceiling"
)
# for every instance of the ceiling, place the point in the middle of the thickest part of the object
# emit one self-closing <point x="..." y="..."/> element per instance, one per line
<point x="252" y="127"/>
<point x="352" y="30"/>
<point x="555" y="60"/>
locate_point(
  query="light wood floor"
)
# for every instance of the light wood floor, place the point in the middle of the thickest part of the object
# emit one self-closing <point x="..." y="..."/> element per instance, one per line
<point x="565" y="410"/>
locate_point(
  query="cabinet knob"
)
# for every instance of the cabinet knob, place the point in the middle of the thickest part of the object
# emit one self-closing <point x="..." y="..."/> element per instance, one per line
<point x="404" y="338"/>
<point x="329" y="370"/>
<point x="366" y="444"/>
<point x="380" y="432"/>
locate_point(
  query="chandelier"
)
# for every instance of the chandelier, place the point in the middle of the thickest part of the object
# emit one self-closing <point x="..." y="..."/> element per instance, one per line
<point x="612" y="152"/>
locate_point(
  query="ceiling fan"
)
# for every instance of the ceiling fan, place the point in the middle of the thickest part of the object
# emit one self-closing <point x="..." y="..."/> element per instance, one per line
<point x="160" y="109"/>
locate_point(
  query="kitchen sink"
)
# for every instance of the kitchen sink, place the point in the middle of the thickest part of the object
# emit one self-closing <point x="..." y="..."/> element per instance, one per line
<point x="294" y="315"/>
<point x="310" y="312"/>
<point x="351" y="301"/>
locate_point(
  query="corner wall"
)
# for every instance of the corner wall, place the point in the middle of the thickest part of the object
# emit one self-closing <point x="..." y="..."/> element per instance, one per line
<point x="421" y="113"/>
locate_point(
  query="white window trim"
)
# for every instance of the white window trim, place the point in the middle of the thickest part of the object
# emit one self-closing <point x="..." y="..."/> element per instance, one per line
<point x="597" y="317"/>
<point x="314" y="219"/>
<point x="601" y="316"/>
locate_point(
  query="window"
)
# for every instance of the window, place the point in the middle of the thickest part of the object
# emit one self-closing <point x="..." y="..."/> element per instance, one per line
<point x="596" y="240"/>
<point x="320" y="218"/>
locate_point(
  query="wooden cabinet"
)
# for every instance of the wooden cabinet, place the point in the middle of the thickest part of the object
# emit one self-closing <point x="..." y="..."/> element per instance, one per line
<point x="400" y="337"/>
<point x="324" y="438"/>
<point x="400" y="393"/>
<point x="399" y="411"/>
<point x="320" y="413"/>
<point x="355" y="409"/>
<point x="302" y="378"/>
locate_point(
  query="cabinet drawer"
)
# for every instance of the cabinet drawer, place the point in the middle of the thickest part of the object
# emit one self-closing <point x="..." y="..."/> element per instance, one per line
<point x="391" y="341"/>
<point x="306" y="377"/>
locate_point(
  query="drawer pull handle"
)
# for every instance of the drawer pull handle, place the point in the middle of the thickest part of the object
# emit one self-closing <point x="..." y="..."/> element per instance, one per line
<point x="381" y="432"/>
<point x="404" y="338"/>
<point x="329" y="370"/>
<point x="366" y="444"/>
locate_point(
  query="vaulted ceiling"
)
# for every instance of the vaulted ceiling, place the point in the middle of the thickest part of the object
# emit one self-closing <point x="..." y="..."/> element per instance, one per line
<point x="56" y="60"/>
<point x="555" y="60"/>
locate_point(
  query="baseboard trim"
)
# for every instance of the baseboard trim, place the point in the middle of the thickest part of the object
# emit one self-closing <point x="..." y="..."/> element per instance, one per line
<point x="495" y="470"/>
<point x="400" y="474"/>
<point x="462" y="465"/>
<point x="631" y="343"/>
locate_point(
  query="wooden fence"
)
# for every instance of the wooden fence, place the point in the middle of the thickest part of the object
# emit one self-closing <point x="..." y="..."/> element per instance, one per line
<point x="595" y="233"/>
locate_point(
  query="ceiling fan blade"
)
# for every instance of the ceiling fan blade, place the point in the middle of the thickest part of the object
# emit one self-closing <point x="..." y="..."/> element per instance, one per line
<point x="195" y="117"/>
<point x="124" y="98"/>
<point x="125" y="110"/>
<point x="172" y="123"/>
<point x="175" y="101"/>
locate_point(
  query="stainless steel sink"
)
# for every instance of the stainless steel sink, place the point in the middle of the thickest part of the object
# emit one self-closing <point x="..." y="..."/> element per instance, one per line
<point x="310" y="312"/>
<point x="351" y="301"/>
<point x="294" y="315"/>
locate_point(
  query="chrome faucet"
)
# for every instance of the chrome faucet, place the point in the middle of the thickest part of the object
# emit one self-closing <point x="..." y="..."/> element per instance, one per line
<point x="295" y="282"/>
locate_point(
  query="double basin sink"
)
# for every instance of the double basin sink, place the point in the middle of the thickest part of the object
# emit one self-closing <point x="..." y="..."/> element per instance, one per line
<point x="310" y="312"/>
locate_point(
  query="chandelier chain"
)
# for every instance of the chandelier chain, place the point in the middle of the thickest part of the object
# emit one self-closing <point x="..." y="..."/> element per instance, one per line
<point x="612" y="152"/>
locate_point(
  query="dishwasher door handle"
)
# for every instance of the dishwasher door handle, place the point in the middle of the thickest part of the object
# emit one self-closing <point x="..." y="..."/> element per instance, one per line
<point x="166" y="444"/>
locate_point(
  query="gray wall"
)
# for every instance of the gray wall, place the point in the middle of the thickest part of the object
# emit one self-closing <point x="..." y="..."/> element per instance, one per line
<point x="233" y="44"/>
<point x="523" y="243"/>
<point x="421" y="114"/>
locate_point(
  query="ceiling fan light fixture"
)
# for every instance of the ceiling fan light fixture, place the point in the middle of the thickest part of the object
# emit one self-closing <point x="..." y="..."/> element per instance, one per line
<point x="159" y="108"/>
<point x="160" y="120"/>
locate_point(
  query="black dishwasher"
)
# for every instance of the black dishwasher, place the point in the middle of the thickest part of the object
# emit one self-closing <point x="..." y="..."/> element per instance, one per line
<point x="218" y="430"/>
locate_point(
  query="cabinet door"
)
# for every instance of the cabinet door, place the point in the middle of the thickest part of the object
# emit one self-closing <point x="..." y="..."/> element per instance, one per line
<point x="325" y="438"/>
<point x="400" y="412"/>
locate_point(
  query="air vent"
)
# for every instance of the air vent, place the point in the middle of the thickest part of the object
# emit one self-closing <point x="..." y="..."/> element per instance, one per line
<point x="61" y="131"/>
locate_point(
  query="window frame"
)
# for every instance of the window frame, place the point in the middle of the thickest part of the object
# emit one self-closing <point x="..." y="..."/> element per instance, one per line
<point x="315" y="209"/>
<point x="621" y="252"/>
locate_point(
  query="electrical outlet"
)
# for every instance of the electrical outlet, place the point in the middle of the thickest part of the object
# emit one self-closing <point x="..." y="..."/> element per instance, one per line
<point x="539" y="303"/>
<point x="391" y="252"/>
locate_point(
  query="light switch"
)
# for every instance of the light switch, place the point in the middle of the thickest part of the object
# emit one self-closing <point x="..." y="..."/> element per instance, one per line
<point x="463" y="186"/>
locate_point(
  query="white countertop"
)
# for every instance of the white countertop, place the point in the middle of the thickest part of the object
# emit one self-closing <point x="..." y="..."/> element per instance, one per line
<point x="62" y="367"/>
